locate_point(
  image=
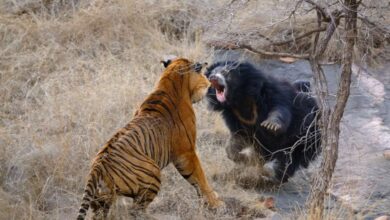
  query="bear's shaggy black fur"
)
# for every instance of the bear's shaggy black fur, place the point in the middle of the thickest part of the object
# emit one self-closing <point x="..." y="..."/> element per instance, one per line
<point x="274" y="118"/>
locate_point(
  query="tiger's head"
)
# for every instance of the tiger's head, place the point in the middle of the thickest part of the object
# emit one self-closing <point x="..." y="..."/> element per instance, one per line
<point x="187" y="77"/>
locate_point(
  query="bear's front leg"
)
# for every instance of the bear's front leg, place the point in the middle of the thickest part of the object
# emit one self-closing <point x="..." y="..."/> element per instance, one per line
<point x="278" y="120"/>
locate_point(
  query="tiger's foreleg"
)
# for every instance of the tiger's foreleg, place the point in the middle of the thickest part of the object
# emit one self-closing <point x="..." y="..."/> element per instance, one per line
<point x="190" y="168"/>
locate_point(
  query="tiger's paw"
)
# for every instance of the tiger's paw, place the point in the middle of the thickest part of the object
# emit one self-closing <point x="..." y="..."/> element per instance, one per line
<point x="217" y="207"/>
<point x="214" y="202"/>
<point x="217" y="204"/>
<point x="141" y="215"/>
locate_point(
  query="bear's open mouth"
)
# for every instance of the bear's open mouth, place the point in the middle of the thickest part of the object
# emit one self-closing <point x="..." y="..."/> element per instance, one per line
<point x="219" y="89"/>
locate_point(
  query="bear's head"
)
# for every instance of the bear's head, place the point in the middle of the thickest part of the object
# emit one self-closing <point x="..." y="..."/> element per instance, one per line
<point x="237" y="86"/>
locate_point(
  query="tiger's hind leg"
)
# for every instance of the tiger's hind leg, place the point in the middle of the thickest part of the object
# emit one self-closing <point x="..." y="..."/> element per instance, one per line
<point x="142" y="200"/>
<point x="149" y="184"/>
<point x="145" y="197"/>
<point x="101" y="206"/>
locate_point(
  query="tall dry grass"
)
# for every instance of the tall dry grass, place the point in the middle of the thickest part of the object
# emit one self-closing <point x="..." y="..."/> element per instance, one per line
<point x="72" y="72"/>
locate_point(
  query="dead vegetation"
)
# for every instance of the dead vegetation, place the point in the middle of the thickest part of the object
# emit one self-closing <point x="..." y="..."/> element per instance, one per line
<point x="289" y="30"/>
<point x="72" y="72"/>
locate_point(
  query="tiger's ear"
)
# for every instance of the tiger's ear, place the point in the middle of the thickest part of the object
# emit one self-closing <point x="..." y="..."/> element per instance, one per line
<point x="166" y="63"/>
<point x="199" y="66"/>
<point x="168" y="60"/>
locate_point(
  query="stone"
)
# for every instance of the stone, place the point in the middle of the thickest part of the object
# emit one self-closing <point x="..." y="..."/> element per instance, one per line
<point x="386" y="154"/>
<point x="383" y="217"/>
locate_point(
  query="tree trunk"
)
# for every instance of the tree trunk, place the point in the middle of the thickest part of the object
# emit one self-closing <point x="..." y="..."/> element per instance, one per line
<point x="331" y="138"/>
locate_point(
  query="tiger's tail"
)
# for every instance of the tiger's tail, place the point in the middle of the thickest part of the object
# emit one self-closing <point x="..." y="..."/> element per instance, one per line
<point x="89" y="191"/>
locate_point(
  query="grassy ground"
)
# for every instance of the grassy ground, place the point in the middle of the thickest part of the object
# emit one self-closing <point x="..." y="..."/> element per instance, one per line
<point x="72" y="72"/>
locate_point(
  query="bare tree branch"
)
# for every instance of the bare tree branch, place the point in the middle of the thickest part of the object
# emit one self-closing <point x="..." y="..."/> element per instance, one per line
<point x="297" y="5"/>
<point x="268" y="54"/>
<point x="272" y="54"/>
<point x="366" y="21"/>
<point x="375" y="7"/>
<point x="334" y="16"/>
<point x="319" y="8"/>
<point x="299" y="36"/>
<point x="329" y="33"/>
<point x="315" y="7"/>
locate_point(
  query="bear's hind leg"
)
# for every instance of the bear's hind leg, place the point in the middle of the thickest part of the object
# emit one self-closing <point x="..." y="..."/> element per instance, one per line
<point x="285" y="167"/>
<point x="241" y="151"/>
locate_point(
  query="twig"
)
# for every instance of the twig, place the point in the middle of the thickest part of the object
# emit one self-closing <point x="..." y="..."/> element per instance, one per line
<point x="371" y="23"/>
<point x="324" y="43"/>
<point x="268" y="54"/>
<point x="321" y="9"/>
<point x="375" y="7"/>
<point x="314" y="47"/>
<point x="295" y="8"/>
<point x="311" y="9"/>
<point x="299" y="36"/>
<point x="273" y="54"/>
<point x="334" y="16"/>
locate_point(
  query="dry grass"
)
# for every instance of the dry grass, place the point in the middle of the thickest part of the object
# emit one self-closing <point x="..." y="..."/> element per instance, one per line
<point x="72" y="72"/>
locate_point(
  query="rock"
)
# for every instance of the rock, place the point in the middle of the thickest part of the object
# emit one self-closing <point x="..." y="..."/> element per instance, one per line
<point x="269" y="203"/>
<point x="386" y="154"/>
<point x="288" y="59"/>
<point x="383" y="217"/>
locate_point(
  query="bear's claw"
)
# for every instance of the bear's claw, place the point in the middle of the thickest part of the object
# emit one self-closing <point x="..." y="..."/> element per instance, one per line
<point x="272" y="125"/>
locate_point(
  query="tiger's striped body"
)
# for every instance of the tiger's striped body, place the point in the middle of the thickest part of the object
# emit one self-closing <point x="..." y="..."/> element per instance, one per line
<point x="162" y="131"/>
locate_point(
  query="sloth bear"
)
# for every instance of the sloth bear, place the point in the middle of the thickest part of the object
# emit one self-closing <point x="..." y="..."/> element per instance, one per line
<point x="271" y="122"/>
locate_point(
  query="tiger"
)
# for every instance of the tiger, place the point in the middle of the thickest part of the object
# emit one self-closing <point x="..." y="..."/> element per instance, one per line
<point x="162" y="131"/>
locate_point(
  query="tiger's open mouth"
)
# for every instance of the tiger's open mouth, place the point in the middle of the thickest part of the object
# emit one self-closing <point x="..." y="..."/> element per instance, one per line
<point x="218" y="83"/>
